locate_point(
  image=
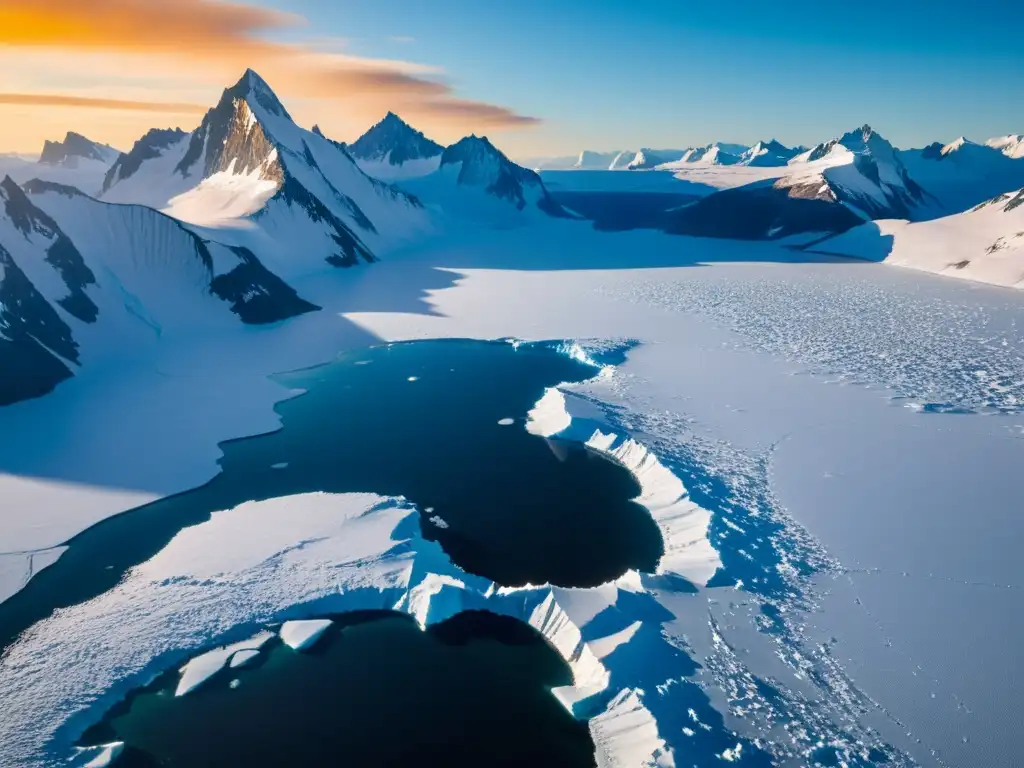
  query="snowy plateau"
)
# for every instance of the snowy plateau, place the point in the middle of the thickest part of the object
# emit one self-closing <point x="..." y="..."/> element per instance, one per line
<point x="829" y="443"/>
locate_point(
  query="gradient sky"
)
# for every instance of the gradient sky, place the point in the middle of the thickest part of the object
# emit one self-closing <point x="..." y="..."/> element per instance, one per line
<point x="540" y="77"/>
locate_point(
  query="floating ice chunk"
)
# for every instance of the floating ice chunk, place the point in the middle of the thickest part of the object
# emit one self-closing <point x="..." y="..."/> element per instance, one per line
<point x="200" y="669"/>
<point x="439" y="521"/>
<point x="506" y="422"/>
<point x="733" y="754"/>
<point x="280" y="465"/>
<point x="549" y="416"/>
<point x="234" y="683"/>
<point x="414" y="378"/>
<point x="103" y="755"/>
<point x="300" y="635"/>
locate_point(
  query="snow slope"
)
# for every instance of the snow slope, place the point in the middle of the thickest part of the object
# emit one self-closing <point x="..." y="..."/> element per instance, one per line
<point x="1011" y="145"/>
<point x="984" y="244"/>
<point x="754" y="444"/>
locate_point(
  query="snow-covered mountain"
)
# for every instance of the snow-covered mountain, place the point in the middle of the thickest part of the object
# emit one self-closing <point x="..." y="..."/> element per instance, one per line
<point x="830" y="188"/>
<point x="153" y="145"/>
<point x="985" y="243"/>
<point x="645" y="159"/>
<point x="1011" y="146"/>
<point x="82" y="280"/>
<point x="767" y="154"/>
<point x="712" y="154"/>
<point x="963" y="174"/>
<point x="37" y="349"/>
<point x="76" y="160"/>
<point x="258" y="181"/>
<point x="862" y="171"/>
<point x="393" y="149"/>
<point x="475" y="179"/>
<point x="74" y="149"/>
<point x="595" y="161"/>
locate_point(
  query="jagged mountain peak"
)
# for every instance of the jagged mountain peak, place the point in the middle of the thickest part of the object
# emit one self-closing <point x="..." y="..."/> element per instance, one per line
<point x="152" y="145"/>
<point x="73" y="148"/>
<point x="394" y="142"/>
<point x="252" y="86"/>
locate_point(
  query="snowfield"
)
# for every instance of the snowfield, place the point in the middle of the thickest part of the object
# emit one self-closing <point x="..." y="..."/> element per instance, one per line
<point x="830" y="448"/>
<point x="808" y="487"/>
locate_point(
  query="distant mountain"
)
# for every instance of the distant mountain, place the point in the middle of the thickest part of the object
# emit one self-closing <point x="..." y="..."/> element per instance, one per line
<point x="862" y="171"/>
<point x="292" y="197"/>
<point x="645" y="159"/>
<point x="393" y="149"/>
<point x="76" y="161"/>
<point x="595" y="161"/>
<point x="962" y="173"/>
<point x="151" y="146"/>
<point x="767" y="154"/>
<point x="74" y="149"/>
<point x="477" y="180"/>
<point x="1012" y="146"/>
<point x="830" y="188"/>
<point x="712" y="154"/>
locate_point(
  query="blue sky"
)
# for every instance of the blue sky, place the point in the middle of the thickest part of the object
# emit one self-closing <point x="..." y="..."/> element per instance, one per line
<point x="607" y="74"/>
<point x="598" y="74"/>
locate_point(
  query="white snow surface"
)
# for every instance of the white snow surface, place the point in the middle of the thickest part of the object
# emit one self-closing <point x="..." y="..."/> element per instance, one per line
<point x="985" y="244"/>
<point x="382" y="168"/>
<point x="85" y="175"/>
<point x="1011" y="145"/>
<point x="725" y="329"/>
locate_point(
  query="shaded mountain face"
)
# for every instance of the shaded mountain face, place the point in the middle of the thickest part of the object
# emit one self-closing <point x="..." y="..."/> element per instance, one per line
<point x="963" y="173"/>
<point x="478" y="163"/>
<point x="830" y="188"/>
<point x="762" y="211"/>
<point x="75" y="148"/>
<point x="395" y="142"/>
<point x="151" y="146"/>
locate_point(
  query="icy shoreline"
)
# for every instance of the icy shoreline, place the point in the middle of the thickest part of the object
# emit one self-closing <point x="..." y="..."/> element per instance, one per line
<point x="369" y="556"/>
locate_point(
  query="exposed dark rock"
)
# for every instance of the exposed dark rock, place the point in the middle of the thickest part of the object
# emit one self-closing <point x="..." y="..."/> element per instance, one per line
<point x="396" y="140"/>
<point x="256" y="294"/>
<point x="74" y="147"/>
<point x="228" y="137"/>
<point x="762" y="211"/>
<point x="484" y="165"/>
<point x="149" y="146"/>
<point x="61" y="254"/>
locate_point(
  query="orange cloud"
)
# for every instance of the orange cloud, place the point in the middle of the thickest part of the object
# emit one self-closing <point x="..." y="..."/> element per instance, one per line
<point x="56" y="100"/>
<point x="136" y="24"/>
<point x="232" y="36"/>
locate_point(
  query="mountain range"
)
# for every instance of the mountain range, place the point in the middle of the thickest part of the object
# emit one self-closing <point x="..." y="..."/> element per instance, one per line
<point x="190" y="232"/>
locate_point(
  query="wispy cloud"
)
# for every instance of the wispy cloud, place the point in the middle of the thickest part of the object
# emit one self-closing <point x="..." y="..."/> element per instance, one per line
<point x="58" y="100"/>
<point x="231" y="36"/>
